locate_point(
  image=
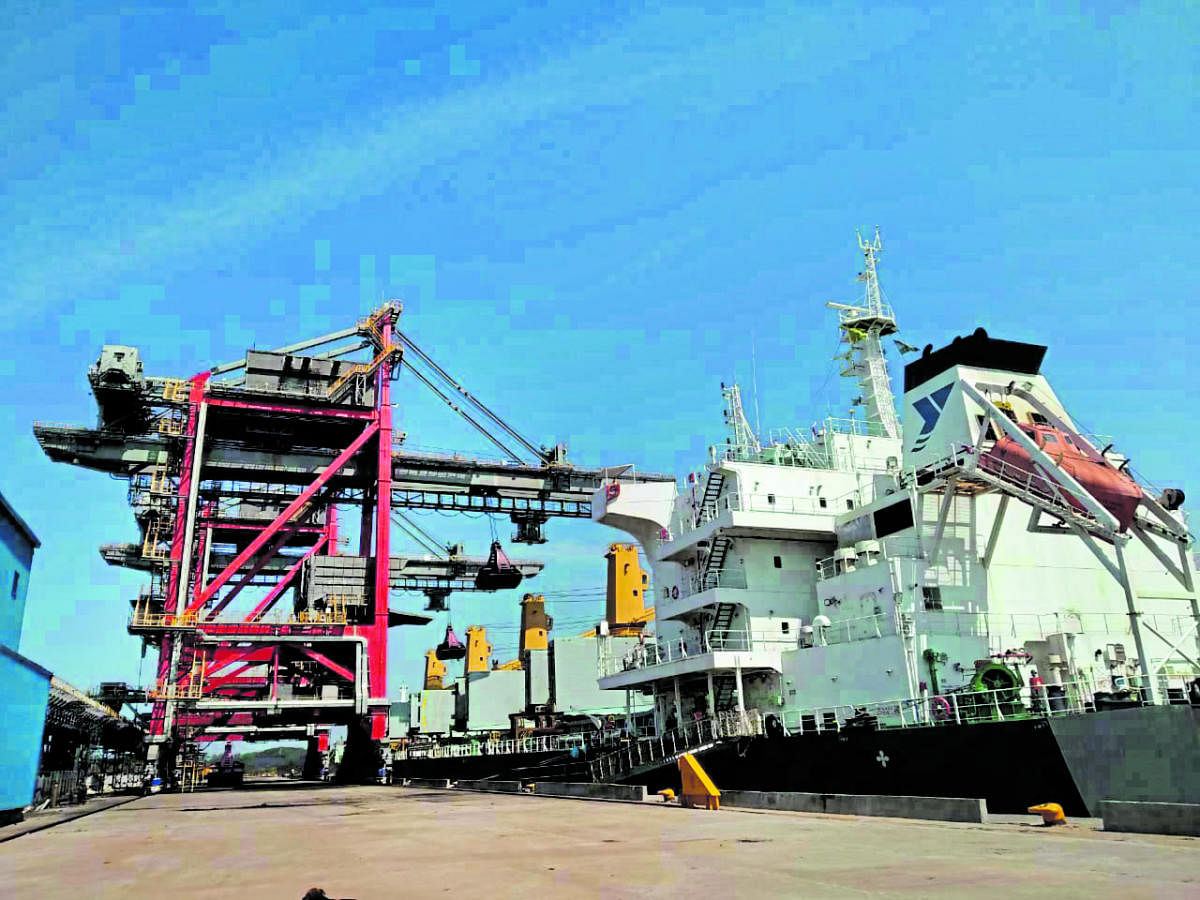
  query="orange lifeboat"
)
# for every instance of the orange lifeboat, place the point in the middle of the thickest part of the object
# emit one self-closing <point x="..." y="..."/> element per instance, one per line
<point x="1112" y="488"/>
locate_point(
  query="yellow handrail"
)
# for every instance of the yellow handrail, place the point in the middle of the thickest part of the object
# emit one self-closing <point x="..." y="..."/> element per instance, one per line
<point x="362" y="369"/>
<point x="150" y="545"/>
<point x="171" y="423"/>
<point x="159" y="483"/>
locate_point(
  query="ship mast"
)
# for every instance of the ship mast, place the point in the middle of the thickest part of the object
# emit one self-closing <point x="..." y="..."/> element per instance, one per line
<point x="742" y="438"/>
<point x="863" y="328"/>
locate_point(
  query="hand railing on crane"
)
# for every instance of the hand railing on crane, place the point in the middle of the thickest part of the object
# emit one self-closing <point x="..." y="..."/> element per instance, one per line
<point x="152" y="543"/>
<point x="364" y="370"/>
<point x="143" y="616"/>
<point x="175" y="390"/>
<point x="334" y="612"/>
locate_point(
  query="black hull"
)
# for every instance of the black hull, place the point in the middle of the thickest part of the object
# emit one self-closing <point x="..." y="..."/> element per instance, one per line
<point x="1012" y="765"/>
<point x="1148" y="753"/>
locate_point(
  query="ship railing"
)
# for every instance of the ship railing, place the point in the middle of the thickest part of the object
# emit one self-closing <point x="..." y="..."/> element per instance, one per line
<point x="729" y="579"/>
<point x="1025" y="626"/>
<point x="965" y="707"/>
<point x="856" y="628"/>
<point x="854" y="314"/>
<point x="952" y="568"/>
<point x="1024" y="479"/>
<point x="764" y="501"/>
<point x="660" y="653"/>
<point x="669" y="745"/>
<point x="1021" y="481"/>
<point x="498" y="747"/>
<point x="720" y="640"/>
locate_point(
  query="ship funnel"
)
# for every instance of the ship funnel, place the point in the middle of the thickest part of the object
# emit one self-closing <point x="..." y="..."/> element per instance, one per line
<point x="939" y="418"/>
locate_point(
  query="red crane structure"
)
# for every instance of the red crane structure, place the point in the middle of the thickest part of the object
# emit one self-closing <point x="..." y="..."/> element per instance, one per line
<point x="236" y="483"/>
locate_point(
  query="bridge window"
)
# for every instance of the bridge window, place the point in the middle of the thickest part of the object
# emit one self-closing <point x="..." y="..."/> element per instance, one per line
<point x="786" y="627"/>
<point x="933" y="597"/>
<point x="16" y="583"/>
<point x="779" y="562"/>
<point x="1049" y="438"/>
<point x="821" y="501"/>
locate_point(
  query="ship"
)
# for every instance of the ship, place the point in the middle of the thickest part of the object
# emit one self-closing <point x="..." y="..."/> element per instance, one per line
<point x="986" y="602"/>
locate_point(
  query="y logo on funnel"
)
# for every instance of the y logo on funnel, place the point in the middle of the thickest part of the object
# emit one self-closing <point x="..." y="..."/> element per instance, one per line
<point x="930" y="409"/>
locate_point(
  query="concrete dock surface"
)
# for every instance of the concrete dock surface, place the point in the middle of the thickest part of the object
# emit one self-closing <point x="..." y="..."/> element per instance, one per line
<point x="277" y="840"/>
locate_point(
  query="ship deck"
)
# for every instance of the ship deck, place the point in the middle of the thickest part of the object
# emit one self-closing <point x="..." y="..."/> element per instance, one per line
<point x="368" y="842"/>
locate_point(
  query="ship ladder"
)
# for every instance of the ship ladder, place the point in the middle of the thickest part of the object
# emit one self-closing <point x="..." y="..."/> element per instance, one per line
<point x="712" y="490"/>
<point x="715" y="561"/>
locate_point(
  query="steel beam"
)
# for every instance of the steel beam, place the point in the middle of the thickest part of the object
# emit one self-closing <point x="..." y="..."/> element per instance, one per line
<point x="943" y="514"/>
<point x="224" y="368"/>
<point x="283" y="518"/>
<point x="994" y="536"/>
<point x="327" y="663"/>
<point x="268" y="553"/>
<point x="285" y="582"/>
<point x="1149" y="686"/>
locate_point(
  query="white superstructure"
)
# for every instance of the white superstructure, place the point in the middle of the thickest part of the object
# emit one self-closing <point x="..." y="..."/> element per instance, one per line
<point x="851" y="566"/>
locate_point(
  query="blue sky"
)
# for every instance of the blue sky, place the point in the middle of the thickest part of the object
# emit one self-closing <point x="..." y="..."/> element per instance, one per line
<point x="590" y="216"/>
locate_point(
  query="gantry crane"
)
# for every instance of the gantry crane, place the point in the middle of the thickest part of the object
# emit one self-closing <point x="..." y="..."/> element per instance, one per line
<point x="237" y="478"/>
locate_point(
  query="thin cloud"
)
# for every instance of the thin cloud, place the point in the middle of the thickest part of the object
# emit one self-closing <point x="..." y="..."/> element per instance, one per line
<point x="218" y="213"/>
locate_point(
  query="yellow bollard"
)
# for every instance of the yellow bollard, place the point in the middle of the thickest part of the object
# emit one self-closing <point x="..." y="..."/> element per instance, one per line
<point x="1051" y="813"/>
<point x="667" y="794"/>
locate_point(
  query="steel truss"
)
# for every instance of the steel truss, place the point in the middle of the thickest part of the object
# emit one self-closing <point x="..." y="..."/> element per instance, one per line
<point x="237" y="484"/>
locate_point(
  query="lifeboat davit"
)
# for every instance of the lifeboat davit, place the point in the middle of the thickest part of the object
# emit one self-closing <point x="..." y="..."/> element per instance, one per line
<point x="1112" y="488"/>
<point x="450" y="647"/>
<point x="498" y="573"/>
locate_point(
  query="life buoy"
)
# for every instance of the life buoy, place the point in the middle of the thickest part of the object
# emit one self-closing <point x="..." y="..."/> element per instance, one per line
<point x="612" y="491"/>
<point x="941" y="709"/>
<point x="675" y="592"/>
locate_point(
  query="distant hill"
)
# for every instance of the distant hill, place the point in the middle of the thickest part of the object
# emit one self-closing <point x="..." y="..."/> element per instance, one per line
<point x="273" y="758"/>
<point x="266" y="759"/>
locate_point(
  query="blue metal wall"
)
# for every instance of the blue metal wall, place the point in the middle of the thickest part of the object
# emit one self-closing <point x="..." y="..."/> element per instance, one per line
<point x="16" y="558"/>
<point x="24" y="694"/>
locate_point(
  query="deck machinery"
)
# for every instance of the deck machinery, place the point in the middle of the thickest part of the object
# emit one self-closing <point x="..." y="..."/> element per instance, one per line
<point x="237" y="478"/>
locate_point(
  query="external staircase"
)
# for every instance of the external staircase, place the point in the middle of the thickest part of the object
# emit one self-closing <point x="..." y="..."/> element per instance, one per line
<point x="646" y="754"/>
<point x="724" y="687"/>
<point x="716" y="561"/>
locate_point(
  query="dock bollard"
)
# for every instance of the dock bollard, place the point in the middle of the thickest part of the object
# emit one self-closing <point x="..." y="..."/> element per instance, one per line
<point x="1051" y="813"/>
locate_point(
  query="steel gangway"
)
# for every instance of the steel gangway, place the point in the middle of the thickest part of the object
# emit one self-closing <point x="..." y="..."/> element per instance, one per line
<point x="644" y="754"/>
